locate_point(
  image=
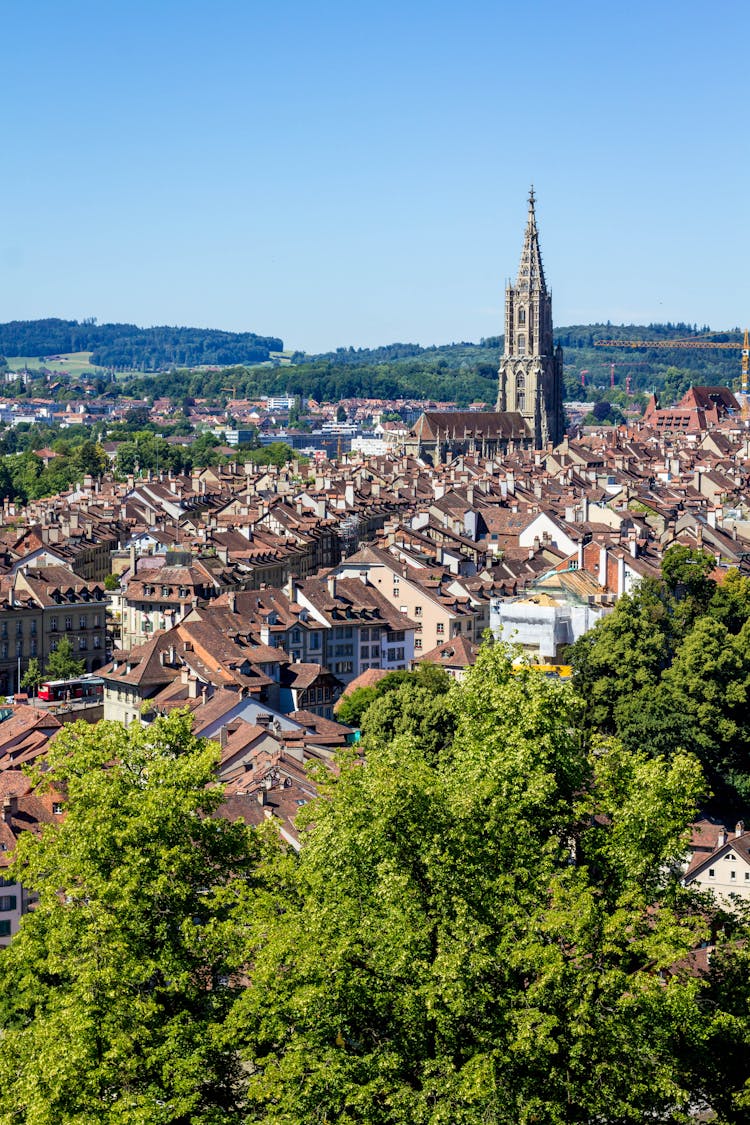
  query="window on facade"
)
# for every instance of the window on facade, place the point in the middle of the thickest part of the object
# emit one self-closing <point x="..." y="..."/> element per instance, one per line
<point x="417" y="611"/>
<point x="732" y="874"/>
<point x="8" y="902"/>
<point x="19" y="629"/>
<point x="57" y="808"/>
<point x="4" y="630"/>
<point x="5" y="927"/>
<point x="97" y="620"/>
<point x="19" y="648"/>
<point x="711" y="872"/>
<point x="32" y="646"/>
<point x="417" y="642"/>
<point x="521" y="347"/>
<point x="295" y="636"/>
<point x="315" y="640"/>
<point x="33" y="628"/>
<point x="522" y="316"/>
<point x="82" y="644"/>
<point x="440" y="628"/>
<point x="97" y="642"/>
<point x="82" y="622"/>
<point x="53" y="624"/>
<point x="68" y="624"/>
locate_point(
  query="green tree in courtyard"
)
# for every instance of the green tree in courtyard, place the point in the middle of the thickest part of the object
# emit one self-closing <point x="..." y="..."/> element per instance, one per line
<point x="62" y="665"/>
<point x="441" y="958"/>
<point x="115" y="991"/>
<point x="32" y="677"/>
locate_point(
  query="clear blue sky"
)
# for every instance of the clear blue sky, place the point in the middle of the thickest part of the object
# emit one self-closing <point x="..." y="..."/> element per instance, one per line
<point x="356" y="173"/>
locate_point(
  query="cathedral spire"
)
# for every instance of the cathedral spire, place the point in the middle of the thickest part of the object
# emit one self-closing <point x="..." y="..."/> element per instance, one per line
<point x="531" y="270"/>
<point x="530" y="374"/>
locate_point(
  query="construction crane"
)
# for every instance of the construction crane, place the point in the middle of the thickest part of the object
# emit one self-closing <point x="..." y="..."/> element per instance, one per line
<point x="696" y="343"/>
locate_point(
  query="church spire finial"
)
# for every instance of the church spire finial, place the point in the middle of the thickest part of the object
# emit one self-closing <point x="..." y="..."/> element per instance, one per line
<point x="531" y="270"/>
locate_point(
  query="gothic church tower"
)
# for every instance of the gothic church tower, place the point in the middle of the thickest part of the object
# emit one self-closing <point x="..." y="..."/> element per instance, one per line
<point x="531" y="368"/>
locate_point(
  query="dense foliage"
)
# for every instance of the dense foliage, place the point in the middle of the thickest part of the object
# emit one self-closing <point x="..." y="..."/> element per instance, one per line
<point x="669" y="669"/>
<point x="485" y="924"/>
<point x="440" y="959"/>
<point x="28" y="476"/>
<point x="460" y="372"/>
<point x="116" y="991"/>
<point x="127" y="346"/>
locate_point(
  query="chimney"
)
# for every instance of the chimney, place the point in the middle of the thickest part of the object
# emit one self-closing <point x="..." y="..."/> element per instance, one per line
<point x="331" y="583"/>
<point x="620" y="575"/>
<point x="223" y="738"/>
<point x="10" y="808"/>
<point x="722" y="838"/>
<point x="133" y="559"/>
<point x="603" y="566"/>
<point x="192" y="687"/>
<point x="739" y="828"/>
<point x="232" y="602"/>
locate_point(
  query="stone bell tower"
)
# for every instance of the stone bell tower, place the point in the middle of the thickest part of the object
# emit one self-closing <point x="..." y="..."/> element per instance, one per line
<point x="531" y="368"/>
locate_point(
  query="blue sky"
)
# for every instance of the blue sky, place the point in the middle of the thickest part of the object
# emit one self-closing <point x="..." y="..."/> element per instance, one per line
<point x="357" y="173"/>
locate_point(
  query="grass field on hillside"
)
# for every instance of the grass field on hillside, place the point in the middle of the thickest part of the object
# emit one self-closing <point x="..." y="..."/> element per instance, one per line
<point x="75" y="364"/>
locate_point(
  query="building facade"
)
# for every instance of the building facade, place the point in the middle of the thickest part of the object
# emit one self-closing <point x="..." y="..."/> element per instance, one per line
<point x="531" y="367"/>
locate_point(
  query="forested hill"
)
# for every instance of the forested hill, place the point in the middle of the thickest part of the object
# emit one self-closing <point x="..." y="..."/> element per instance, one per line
<point x="125" y="346"/>
<point x="458" y="372"/>
<point x="467" y="372"/>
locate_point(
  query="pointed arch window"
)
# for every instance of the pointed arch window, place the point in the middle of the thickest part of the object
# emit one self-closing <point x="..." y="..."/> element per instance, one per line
<point x="521" y="344"/>
<point x="520" y="393"/>
<point x="522" y="316"/>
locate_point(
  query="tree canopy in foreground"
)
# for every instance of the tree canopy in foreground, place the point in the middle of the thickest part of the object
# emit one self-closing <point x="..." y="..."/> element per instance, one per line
<point x="494" y="932"/>
<point x="115" y="991"/>
<point x="486" y="927"/>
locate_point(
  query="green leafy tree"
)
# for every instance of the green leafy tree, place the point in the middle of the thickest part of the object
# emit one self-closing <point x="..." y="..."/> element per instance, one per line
<point x="686" y="575"/>
<point x="709" y="685"/>
<point x="351" y="707"/>
<point x="440" y="958"/>
<point x="62" y="665"/>
<point x="625" y="653"/>
<point x="33" y="676"/>
<point x="116" y="989"/>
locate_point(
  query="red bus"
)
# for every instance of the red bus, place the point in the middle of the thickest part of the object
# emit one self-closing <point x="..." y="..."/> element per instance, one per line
<point x="87" y="687"/>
